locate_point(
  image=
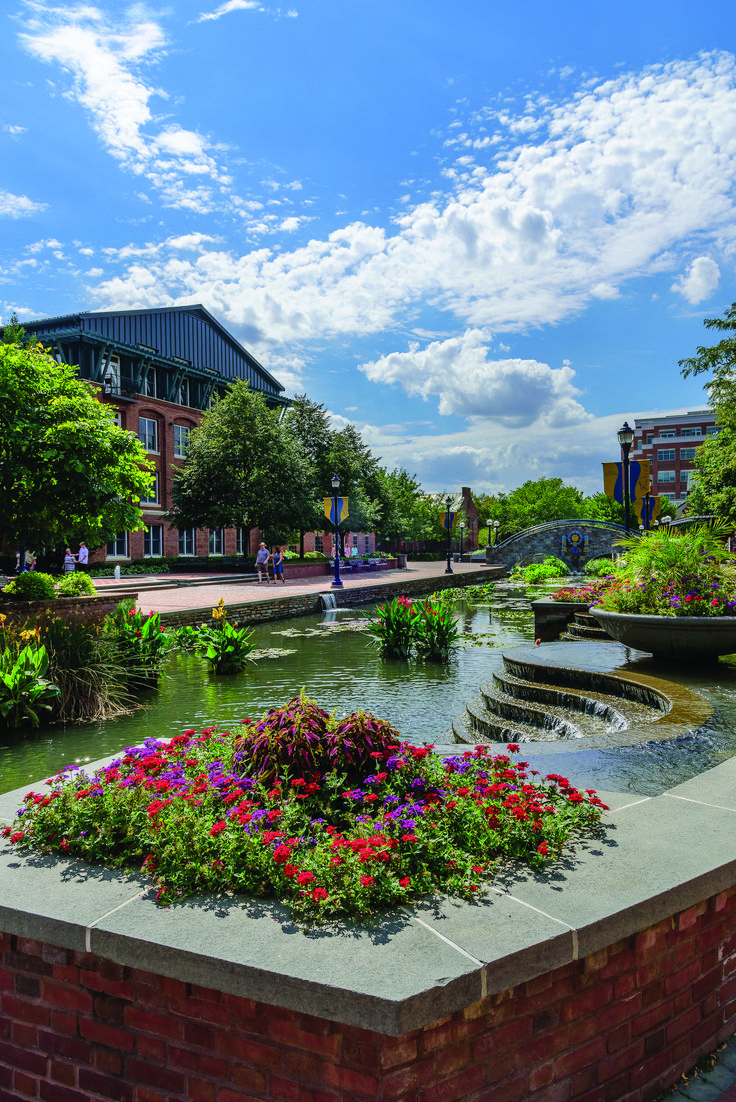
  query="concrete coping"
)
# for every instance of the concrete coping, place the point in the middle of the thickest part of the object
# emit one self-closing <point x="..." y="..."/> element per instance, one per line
<point x="653" y="858"/>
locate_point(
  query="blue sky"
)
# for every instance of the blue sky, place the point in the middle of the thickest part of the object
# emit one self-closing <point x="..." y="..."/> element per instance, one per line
<point x="484" y="234"/>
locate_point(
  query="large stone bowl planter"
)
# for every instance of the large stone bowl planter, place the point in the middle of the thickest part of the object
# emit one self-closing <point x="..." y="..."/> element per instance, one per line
<point x="695" y="638"/>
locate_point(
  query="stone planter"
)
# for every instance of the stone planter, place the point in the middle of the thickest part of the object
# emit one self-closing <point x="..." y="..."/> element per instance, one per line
<point x="694" y="638"/>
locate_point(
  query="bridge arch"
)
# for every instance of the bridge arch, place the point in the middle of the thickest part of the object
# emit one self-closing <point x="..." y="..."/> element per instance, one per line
<point x="575" y="541"/>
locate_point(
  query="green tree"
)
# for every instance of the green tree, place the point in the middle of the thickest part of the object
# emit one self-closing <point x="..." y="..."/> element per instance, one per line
<point x="536" y="502"/>
<point x="308" y="423"/>
<point x="13" y="332"/>
<point x="66" y="469"/>
<point x="243" y="468"/>
<point x="714" y="489"/>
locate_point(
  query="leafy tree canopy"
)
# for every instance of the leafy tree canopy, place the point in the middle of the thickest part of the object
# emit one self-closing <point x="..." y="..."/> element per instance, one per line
<point x="244" y="467"/>
<point x="66" y="469"/>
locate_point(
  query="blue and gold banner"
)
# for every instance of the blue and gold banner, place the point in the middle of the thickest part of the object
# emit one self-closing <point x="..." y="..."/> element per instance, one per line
<point x="639" y="481"/>
<point x="448" y="517"/>
<point x="342" y="509"/>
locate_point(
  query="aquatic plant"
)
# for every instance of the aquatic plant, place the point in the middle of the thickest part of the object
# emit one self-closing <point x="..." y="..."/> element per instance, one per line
<point x="394" y="628"/>
<point x="25" y="690"/>
<point x="140" y="643"/>
<point x="192" y="813"/>
<point x="225" y="648"/>
<point x="435" y="631"/>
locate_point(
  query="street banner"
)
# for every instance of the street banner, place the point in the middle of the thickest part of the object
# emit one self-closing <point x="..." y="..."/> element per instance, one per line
<point x="639" y="481"/>
<point x="448" y="517"/>
<point x="640" y="506"/>
<point x="342" y="509"/>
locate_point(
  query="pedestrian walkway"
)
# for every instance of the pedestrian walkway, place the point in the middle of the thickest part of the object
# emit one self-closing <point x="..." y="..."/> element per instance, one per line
<point x="716" y="1083"/>
<point x="237" y="591"/>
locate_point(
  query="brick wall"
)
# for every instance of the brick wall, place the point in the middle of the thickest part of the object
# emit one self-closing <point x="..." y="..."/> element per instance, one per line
<point x="617" y="1026"/>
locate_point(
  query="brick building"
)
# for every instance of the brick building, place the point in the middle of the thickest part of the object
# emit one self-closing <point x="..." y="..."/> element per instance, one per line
<point x="159" y="370"/>
<point x="670" y="443"/>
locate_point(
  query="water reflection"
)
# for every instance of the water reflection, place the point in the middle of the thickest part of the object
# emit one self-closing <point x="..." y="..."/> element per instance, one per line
<point x="343" y="671"/>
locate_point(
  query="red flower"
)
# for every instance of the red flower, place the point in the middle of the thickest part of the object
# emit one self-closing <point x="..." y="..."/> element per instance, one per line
<point x="319" y="894"/>
<point x="513" y="748"/>
<point x="217" y="828"/>
<point x="408" y="837"/>
<point x="17" y="836"/>
<point x="543" y="848"/>
<point x="406" y="882"/>
<point x="281" y="855"/>
<point x="304" y="878"/>
<point x="367" y="881"/>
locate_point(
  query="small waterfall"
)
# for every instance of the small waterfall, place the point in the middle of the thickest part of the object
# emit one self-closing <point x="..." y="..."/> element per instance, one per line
<point x="327" y="600"/>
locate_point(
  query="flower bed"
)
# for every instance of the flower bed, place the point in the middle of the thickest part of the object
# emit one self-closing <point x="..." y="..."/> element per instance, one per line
<point x="334" y="818"/>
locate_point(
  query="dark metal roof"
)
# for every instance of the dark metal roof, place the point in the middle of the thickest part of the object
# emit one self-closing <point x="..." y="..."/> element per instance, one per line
<point x="188" y="333"/>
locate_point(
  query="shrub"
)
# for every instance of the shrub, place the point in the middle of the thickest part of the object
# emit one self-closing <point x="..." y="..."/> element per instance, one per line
<point x="31" y="586"/>
<point x="435" y="630"/>
<point x="139" y="641"/>
<point x="598" y="568"/>
<point x="193" y="814"/>
<point x="25" y="689"/>
<point x="394" y="628"/>
<point x="77" y="584"/>
<point x="225" y="648"/>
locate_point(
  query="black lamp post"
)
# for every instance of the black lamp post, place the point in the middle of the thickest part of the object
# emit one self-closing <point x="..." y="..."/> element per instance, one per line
<point x="336" y="514"/>
<point x="448" y="503"/>
<point x="625" y="437"/>
<point x="462" y="533"/>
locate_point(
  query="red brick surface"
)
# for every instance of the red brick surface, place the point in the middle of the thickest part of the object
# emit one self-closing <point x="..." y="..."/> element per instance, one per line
<point x="618" y="1026"/>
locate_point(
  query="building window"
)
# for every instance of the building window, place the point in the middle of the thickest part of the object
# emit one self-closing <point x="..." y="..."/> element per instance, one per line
<point x="151" y="497"/>
<point x="665" y="476"/>
<point x="118" y="418"/>
<point x="118" y="548"/>
<point x="216" y="541"/>
<point x="181" y="441"/>
<point x="691" y="432"/>
<point x="687" y="454"/>
<point x="183" y="393"/>
<point x="112" y="376"/>
<point x="186" y="541"/>
<point x="650" y="438"/>
<point x="712" y="430"/>
<point x="293" y="548"/>
<point x="689" y="478"/>
<point x="149" y="387"/>
<point x="240" y="541"/>
<point x="148" y="433"/>
<point x="667" y="434"/>
<point x="367" y="543"/>
<point x="153" y="541"/>
<point x="669" y="497"/>
<point x="319" y="543"/>
<point x="666" y="455"/>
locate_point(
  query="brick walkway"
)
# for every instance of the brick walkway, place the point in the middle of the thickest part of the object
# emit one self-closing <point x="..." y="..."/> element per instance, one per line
<point x="181" y="598"/>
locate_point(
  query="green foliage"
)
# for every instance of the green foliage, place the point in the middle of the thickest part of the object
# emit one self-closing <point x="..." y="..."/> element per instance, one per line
<point x="86" y="668"/>
<point x="32" y="585"/>
<point x="140" y="643"/>
<point x="537" y="572"/>
<point x="436" y="631"/>
<point x="65" y="466"/>
<point x="243" y="468"/>
<point x="394" y="628"/>
<point x="598" y="568"/>
<point x="225" y="648"/>
<point x="77" y="584"/>
<point x="675" y="572"/>
<point x="13" y="332"/>
<point x="25" y="690"/>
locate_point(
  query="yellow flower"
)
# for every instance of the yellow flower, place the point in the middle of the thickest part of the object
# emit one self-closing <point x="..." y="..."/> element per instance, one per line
<point x="220" y="613"/>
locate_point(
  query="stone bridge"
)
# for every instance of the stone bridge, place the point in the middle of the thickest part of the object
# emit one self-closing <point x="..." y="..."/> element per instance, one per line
<point x="574" y="541"/>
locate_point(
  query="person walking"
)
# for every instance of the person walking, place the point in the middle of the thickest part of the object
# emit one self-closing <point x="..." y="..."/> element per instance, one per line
<point x="83" y="557"/>
<point x="69" y="561"/>
<point x="262" y="559"/>
<point x="278" y="565"/>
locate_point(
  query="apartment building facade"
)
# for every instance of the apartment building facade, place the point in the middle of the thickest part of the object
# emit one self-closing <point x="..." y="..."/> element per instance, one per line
<point x="670" y="443"/>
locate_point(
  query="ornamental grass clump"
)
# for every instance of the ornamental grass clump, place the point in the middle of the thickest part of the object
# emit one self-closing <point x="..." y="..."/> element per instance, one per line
<point x="202" y="813"/>
<point x="674" y="572"/>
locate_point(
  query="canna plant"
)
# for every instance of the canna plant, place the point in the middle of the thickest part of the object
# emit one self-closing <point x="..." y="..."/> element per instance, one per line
<point x="394" y="628"/>
<point x="25" y="691"/>
<point x="435" y="632"/>
<point x="225" y="648"/>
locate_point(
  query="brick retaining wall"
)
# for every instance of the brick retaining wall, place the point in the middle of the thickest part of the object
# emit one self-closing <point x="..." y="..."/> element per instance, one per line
<point x="617" y="1026"/>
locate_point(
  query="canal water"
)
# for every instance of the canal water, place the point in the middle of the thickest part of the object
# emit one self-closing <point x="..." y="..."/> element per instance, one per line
<point x="334" y="661"/>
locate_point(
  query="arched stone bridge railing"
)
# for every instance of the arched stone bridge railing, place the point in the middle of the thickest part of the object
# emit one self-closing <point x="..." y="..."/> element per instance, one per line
<point x="574" y="541"/>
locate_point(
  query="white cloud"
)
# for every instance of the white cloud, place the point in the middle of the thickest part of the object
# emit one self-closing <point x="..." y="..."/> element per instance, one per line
<point x="513" y="392"/>
<point x="700" y="282"/>
<point x="18" y="206"/>
<point x="227" y="8"/>
<point x="13" y="130"/>
<point x="611" y="187"/>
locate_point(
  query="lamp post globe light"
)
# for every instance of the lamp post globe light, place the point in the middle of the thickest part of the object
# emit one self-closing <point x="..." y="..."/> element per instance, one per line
<point x="448" y="503"/>
<point x="336" y="514"/>
<point x="496" y="526"/>
<point x="462" y="533"/>
<point x="625" y="438"/>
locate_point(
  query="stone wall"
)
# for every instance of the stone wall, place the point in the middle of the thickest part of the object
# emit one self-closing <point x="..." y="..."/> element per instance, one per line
<point x="619" y="1025"/>
<point x="88" y="610"/>
<point x="304" y="604"/>
<point x="534" y="544"/>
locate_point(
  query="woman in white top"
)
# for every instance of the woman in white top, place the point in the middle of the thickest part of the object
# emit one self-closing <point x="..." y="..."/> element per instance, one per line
<point x="69" y="564"/>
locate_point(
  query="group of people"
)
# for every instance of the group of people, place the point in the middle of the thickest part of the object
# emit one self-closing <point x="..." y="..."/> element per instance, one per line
<point x="72" y="561"/>
<point x="264" y="557"/>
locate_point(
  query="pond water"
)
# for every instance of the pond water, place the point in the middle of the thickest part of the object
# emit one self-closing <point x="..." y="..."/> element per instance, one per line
<point x="340" y="669"/>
